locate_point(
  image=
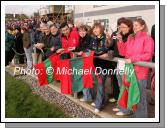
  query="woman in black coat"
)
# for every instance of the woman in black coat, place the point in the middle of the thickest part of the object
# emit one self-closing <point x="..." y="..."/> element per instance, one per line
<point x="84" y="40"/>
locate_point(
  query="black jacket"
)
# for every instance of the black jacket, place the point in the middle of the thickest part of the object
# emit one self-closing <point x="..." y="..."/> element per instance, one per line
<point x="51" y="41"/>
<point x="84" y="44"/>
<point x="38" y="39"/>
<point x="55" y="42"/>
<point x="38" y="36"/>
<point x="19" y="42"/>
<point x="114" y="41"/>
<point x="99" y="45"/>
<point x="46" y="39"/>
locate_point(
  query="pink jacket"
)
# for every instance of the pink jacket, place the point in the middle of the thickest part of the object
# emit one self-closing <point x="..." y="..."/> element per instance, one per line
<point x="140" y="48"/>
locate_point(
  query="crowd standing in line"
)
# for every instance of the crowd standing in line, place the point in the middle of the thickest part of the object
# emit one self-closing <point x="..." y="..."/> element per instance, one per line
<point x="34" y="41"/>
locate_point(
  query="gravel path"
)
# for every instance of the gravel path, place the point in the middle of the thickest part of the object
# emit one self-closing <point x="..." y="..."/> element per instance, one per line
<point x="48" y="94"/>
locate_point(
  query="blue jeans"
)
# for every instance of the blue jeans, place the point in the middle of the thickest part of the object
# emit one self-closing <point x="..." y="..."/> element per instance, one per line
<point x="141" y="111"/>
<point x="119" y="78"/>
<point x="100" y="96"/>
<point x="28" y="53"/>
<point x="125" y="111"/>
<point x="87" y="94"/>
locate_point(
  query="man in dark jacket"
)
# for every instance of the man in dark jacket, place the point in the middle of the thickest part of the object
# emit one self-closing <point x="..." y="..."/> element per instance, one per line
<point x="84" y="41"/>
<point x="54" y="43"/>
<point x="19" y="45"/>
<point x="44" y="42"/>
<point x="36" y="53"/>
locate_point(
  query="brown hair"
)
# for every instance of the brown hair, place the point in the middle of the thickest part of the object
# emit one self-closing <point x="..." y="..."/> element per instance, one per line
<point x="119" y="21"/>
<point x="142" y="22"/>
<point x="100" y="26"/>
<point x="129" y="23"/>
<point x="83" y="27"/>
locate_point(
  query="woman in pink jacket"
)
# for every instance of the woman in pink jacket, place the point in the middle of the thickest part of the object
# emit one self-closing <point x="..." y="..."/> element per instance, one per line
<point x="139" y="47"/>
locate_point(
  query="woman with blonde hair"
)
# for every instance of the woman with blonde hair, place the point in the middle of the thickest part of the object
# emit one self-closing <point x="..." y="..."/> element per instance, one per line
<point x="139" y="47"/>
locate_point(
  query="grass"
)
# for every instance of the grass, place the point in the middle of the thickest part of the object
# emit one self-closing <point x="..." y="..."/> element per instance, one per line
<point x="21" y="103"/>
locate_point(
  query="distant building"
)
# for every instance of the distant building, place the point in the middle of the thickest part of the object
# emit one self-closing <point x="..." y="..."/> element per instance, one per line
<point x="52" y="9"/>
<point x="36" y="14"/>
<point x="109" y="14"/>
<point x="44" y="10"/>
<point x="69" y="8"/>
<point x="60" y="12"/>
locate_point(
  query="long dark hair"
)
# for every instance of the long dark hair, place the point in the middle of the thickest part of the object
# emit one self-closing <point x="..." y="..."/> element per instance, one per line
<point x="129" y="23"/>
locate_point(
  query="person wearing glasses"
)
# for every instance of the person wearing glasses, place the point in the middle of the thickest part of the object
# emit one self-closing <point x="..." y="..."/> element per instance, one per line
<point x="124" y="28"/>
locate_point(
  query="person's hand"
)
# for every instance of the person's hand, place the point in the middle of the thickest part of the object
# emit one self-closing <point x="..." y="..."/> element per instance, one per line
<point x="79" y="53"/>
<point x="60" y="50"/>
<point x="52" y="49"/>
<point x="35" y="45"/>
<point x="108" y="38"/>
<point x="71" y="48"/>
<point x="104" y="56"/>
<point x="119" y="36"/>
<point x="128" y="61"/>
<point x="39" y="45"/>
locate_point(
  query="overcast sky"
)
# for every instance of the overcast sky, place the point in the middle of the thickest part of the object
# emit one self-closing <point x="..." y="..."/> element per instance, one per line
<point x="26" y="9"/>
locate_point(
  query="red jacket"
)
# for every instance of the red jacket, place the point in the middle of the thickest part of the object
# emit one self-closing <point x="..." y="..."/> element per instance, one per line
<point x="72" y="41"/>
<point x="140" y="48"/>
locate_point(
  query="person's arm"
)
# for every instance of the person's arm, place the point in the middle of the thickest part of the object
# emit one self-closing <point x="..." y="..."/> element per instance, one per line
<point x="108" y="40"/>
<point x="122" y="48"/>
<point x="148" y="50"/>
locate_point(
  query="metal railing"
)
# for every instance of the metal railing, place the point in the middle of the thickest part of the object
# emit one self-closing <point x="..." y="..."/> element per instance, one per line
<point x="140" y="63"/>
<point x="116" y="59"/>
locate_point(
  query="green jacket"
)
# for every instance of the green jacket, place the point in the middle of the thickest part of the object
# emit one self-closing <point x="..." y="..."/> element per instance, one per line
<point x="9" y="41"/>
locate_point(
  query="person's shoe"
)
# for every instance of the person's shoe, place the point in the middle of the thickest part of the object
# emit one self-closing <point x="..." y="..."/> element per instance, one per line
<point x="97" y="110"/>
<point x="82" y="100"/>
<point x="116" y="109"/>
<point x="112" y="100"/>
<point x="121" y="113"/>
<point x="93" y="104"/>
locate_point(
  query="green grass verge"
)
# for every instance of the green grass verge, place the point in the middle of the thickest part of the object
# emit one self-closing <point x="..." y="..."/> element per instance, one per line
<point x="21" y="103"/>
